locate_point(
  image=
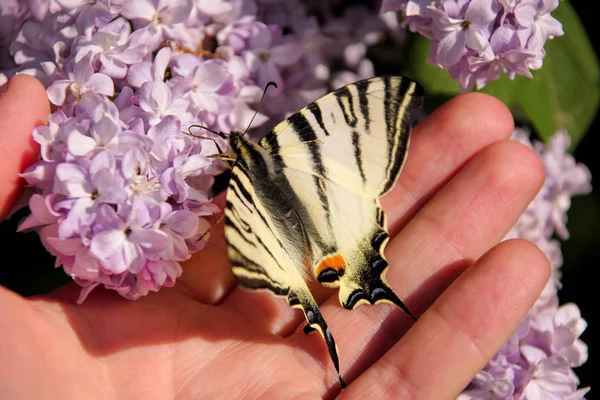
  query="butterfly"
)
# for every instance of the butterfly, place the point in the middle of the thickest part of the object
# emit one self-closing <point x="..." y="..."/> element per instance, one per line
<point x="303" y="204"/>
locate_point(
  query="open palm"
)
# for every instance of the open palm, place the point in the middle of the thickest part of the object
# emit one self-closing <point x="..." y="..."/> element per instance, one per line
<point x="463" y="187"/>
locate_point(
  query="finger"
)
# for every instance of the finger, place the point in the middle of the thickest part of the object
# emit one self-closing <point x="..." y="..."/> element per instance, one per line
<point x="466" y="218"/>
<point x="462" y="330"/>
<point x="441" y="144"/>
<point x="207" y="276"/>
<point x="463" y="220"/>
<point x="23" y="106"/>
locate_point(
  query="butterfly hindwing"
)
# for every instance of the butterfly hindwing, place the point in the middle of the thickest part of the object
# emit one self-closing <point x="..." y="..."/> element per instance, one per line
<point x="347" y="235"/>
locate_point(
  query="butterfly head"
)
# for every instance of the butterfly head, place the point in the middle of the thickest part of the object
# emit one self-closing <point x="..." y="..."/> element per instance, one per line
<point x="236" y="143"/>
<point x="241" y="147"/>
<point x="235" y="138"/>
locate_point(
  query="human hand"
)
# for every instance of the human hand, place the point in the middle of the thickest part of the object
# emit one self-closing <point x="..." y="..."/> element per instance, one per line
<point x="463" y="187"/>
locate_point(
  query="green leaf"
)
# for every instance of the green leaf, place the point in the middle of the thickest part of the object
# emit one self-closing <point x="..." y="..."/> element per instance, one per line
<point x="564" y="92"/>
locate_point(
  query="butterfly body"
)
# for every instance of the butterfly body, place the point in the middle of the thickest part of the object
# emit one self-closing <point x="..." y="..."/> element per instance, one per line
<point x="305" y="199"/>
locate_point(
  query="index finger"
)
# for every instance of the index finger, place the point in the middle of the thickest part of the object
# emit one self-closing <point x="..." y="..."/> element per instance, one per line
<point x="23" y="106"/>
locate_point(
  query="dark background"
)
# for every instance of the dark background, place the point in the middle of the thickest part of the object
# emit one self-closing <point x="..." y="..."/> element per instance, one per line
<point x="581" y="251"/>
<point x="28" y="269"/>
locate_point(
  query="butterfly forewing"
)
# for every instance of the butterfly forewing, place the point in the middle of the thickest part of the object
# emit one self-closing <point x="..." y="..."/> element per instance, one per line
<point x="356" y="136"/>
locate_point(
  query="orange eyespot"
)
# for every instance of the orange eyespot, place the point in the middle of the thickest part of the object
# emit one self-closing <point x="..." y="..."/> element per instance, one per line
<point x="335" y="262"/>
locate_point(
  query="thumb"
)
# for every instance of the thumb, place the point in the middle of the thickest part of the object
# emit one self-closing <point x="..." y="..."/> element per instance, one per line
<point x="23" y="106"/>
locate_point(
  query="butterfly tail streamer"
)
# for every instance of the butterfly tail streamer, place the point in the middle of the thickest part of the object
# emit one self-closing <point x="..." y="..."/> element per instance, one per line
<point x="390" y="296"/>
<point x="303" y="299"/>
<point x="375" y="293"/>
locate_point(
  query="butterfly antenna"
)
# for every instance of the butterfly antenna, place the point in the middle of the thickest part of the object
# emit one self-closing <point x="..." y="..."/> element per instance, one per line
<point x="219" y="134"/>
<point x="212" y="226"/>
<point x="206" y="128"/>
<point x="260" y="103"/>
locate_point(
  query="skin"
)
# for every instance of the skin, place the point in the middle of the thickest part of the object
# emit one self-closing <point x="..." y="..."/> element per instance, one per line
<point x="463" y="187"/>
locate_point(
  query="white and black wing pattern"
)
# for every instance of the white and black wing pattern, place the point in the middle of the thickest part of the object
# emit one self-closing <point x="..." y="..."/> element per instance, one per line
<point x="305" y="200"/>
<point x="356" y="136"/>
<point x="339" y="155"/>
<point x="267" y="243"/>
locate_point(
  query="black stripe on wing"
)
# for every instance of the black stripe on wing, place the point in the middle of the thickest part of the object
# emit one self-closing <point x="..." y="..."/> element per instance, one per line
<point x="362" y="87"/>
<point x="321" y="189"/>
<point x="381" y="219"/>
<point x="241" y="193"/>
<point x="244" y="231"/>
<point x="270" y="142"/>
<point x="358" y="155"/>
<point x="344" y="99"/>
<point x="274" y="147"/>
<point x="253" y="276"/>
<point x="307" y="134"/>
<point x="231" y="208"/>
<point x="398" y="126"/>
<point x="316" y="112"/>
<point x="248" y="232"/>
<point x="392" y="105"/>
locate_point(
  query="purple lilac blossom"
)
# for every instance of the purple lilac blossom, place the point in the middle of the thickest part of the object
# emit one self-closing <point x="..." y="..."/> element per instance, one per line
<point x="547" y="213"/>
<point x="537" y="361"/>
<point x="335" y="47"/>
<point x="477" y="39"/>
<point x="12" y="15"/>
<point x="120" y="195"/>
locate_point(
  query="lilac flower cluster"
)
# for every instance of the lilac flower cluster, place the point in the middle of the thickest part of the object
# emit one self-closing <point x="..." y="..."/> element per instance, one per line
<point x="547" y="213"/>
<point x="477" y="39"/>
<point x="537" y="361"/>
<point x="120" y="194"/>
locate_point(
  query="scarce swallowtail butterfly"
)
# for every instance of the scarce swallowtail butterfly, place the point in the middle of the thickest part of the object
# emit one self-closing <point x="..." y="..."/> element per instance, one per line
<point x="305" y="199"/>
